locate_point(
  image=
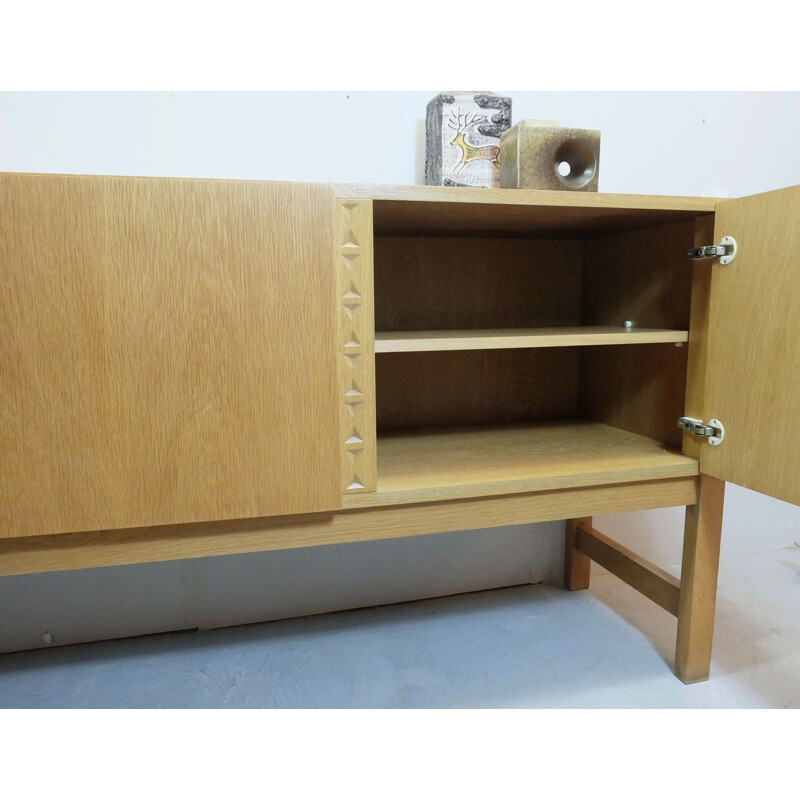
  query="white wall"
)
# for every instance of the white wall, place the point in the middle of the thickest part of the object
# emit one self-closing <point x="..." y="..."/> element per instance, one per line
<point x="721" y="144"/>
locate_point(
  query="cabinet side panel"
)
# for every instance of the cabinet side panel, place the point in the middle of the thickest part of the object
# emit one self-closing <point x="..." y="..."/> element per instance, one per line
<point x="643" y="276"/>
<point x="167" y="350"/>
<point x="356" y="346"/>
<point x="698" y="335"/>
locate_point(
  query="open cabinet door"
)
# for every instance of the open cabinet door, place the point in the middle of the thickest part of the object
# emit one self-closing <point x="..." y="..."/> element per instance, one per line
<point x="753" y="372"/>
<point x="167" y="352"/>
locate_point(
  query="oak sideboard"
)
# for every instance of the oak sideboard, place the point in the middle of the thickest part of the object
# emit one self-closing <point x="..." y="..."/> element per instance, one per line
<point x="192" y="367"/>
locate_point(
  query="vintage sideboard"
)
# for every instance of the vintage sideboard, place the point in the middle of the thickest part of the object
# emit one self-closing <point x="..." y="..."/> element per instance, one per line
<point x="200" y="367"/>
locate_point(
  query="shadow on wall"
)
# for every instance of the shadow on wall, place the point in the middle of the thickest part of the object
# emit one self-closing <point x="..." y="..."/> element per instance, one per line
<point x="114" y="602"/>
<point x="419" y="153"/>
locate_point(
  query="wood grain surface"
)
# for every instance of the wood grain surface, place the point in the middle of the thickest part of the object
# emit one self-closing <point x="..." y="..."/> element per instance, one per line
<point x="356" y="356"/>
<point x="702" y="536"/>
<point x="507" y="339"/>
<point x="104" y="548"/>
<point x="753" y="367"/>
<point x="167" y="349"/>
<point x="449" y="463"/>
<point x="440" y="210"/>
<point x="461" y="387"/>
<point x="451" y="283"/>
<point x="643" y="276"/>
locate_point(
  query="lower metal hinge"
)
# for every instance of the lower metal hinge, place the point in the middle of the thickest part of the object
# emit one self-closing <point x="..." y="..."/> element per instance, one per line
<point x="713" y="430"/>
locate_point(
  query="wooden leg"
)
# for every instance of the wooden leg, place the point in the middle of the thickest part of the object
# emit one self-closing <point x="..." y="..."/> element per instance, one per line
<point x="698" y="591"/>
<point x="576" y="564"/>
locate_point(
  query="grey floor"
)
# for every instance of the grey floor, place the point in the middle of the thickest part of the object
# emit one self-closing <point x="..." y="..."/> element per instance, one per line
<point x="528" y="646"/>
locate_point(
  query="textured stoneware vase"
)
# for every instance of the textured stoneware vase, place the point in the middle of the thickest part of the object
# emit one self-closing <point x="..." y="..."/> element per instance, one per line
<point x="539" y="154"/>
<point x="462" y="138"/>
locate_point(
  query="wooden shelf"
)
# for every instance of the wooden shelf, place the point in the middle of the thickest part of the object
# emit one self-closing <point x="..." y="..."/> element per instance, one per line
<point x="426" y="341"/>
<point x="417" y="467"/>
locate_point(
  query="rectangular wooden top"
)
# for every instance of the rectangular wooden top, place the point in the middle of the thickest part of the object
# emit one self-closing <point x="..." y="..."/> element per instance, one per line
<point x="566" y="199"/>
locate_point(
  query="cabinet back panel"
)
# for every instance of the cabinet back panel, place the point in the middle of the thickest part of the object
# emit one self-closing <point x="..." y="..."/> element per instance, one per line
<point x="475" y="387"/>
<point x="451" y="283"/>
<point x="643" y="276"/>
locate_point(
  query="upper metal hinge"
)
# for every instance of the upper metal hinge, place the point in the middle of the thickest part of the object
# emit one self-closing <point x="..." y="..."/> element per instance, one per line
<point x="714" y="431"/>
<point x="725" y="251"/>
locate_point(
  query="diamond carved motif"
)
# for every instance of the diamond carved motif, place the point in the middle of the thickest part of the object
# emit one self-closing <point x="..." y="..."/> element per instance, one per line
<point x="356" y="378"/>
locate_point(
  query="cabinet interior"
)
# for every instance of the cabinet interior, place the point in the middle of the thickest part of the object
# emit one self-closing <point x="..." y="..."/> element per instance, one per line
<point x="456" y="292"/>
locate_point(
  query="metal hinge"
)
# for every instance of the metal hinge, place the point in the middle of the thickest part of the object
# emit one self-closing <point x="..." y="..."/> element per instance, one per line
<point x="725" y="251"/>
<point x="713" y="430"/>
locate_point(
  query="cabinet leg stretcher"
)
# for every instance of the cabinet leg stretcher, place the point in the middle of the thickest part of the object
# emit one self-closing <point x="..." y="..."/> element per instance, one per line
<point x="692" y="599"/>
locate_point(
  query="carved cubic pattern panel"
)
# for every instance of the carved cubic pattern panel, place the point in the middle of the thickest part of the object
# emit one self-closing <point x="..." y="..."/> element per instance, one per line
<point x="356" y="345"/>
